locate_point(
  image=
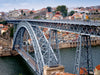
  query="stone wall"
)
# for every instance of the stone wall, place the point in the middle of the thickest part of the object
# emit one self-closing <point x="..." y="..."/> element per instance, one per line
<point x="74" y="44"/>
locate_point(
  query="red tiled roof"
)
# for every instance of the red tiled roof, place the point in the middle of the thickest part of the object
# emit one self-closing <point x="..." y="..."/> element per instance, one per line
<point x="1" y="24"/>
<point x="5" y="29"/>
<point x="98" y="67"/>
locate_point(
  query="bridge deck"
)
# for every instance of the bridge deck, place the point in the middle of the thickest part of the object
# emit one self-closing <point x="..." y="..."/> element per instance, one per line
<point x="27" y="58"/>
<point x="79" y="27"/>
<point x="96" y="23"/>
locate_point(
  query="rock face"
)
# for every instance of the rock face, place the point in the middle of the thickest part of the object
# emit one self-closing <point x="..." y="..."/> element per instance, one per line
<point x="8" y="53"/>
<point x="6" y="48"/>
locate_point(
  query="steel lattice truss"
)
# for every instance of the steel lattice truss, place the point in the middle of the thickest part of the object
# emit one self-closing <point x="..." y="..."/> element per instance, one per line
<point x="44" y="54"/>
<point x="83" y="59"/>
<point x="79" y="27"/>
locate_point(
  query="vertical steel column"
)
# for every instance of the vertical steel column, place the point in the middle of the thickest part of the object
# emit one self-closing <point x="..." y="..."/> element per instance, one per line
<point x="50" y="36"/>
<point x="53" y="40"/>
<point x="27" y="41"/>
<point x="57" y="46"/>
<point x="83" y="58"/>
<point x="78" y="56"/>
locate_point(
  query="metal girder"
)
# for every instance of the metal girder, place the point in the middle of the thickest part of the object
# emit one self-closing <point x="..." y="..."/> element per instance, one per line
<point x="83" y="27"/>
<point x="44" y="54"/>
<point x="49" y="56"/>
<point x="83" y="59"/>
<point x="54" y="43"/>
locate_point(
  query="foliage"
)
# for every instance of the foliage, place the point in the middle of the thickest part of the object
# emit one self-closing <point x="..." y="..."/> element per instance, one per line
<point x="96" y="10"/>
<point x="4" y="33"/>
<point x="20" y="73"/>
<point x="11" y="32"/>
<point x="49" y="9"/>
<point x="62" y="9"/>
<point x="22" y="12"/>
<point x="37" y="17"/>
<point x="3" y="22"/>
<point x="31" y="12"/>
<point x="71" y="13"/>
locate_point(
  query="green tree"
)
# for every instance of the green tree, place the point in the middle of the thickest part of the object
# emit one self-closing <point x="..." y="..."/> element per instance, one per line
<point x="22" y="12"/>
<point x="37" y="17"/>
<point x="71" y="13"/>
<point x="49" y="9"/>
<point x="3" y="22"/>
<point x="96" y="10"/>
<point x="4" y="33"/>
<point x="31" y="12"/>
<point x="11" y="32"/>
<point x="62" y="9"/>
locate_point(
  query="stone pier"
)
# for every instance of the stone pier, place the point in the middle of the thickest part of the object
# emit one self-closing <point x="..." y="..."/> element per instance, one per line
<point x="52" y="70"/>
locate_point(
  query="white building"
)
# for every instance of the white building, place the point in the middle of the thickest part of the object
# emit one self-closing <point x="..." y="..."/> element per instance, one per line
<point x="14" y="13"/>
<point x="49" y="15"/>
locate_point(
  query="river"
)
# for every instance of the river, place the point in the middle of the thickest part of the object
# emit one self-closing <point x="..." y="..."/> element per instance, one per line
<point x="17" y="66"/>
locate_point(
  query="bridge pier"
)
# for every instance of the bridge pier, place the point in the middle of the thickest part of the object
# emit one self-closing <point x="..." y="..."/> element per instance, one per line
<point x="83" y="59"/>
<point x="52" y="70"/>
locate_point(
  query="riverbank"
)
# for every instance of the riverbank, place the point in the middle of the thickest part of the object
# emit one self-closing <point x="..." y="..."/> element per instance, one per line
<point x="74" y="44"/>
<point x="6" y="51"/>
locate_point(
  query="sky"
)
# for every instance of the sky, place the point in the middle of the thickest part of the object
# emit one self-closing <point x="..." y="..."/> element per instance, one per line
<point x="6" y="5"/>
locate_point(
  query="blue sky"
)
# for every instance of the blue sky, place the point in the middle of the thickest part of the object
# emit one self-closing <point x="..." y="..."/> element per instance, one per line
<point x="6" y="5"/>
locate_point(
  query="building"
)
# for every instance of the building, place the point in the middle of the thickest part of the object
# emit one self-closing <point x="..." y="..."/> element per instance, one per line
<point x="49" y="15"/>
<point x="57" y="16"/>
<point x="97" y="70"/>
<point x="14" y="13"/>
<point x="79" y="16"/>
<point x="4" y="30"/>
<point x="1" y="25"/>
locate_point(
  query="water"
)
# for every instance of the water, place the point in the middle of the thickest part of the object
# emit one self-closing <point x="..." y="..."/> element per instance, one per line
<point x="17" y="66"/>
<point x="14" y="66"/>
<point x="68" y="58"/>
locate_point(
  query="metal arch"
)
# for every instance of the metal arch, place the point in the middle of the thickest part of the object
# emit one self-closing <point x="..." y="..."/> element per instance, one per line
<point x="41" y="49"/>
<point x="49" y="56"/>
<point x="39" y="58"/>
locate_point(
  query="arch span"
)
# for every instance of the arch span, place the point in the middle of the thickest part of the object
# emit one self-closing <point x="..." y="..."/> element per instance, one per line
<point x="44" y="54"/>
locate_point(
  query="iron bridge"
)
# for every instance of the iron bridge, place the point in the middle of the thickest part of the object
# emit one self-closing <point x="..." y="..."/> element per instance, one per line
<point x="40" y="53"/>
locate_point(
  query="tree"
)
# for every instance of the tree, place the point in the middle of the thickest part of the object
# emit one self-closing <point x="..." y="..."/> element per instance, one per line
<point x="62" y="9"/>
<point x="71" y="13"/>
<point x="22" y="12"/>
<point x="11" y="32"/>
<point x="37" y="17"/>
<point x="96" y="10"/>
<point x="31" y="12"/>
<point x="49" y="9"/>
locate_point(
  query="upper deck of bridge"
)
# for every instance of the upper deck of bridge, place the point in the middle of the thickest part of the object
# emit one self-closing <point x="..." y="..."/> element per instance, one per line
<point x="74" y="22"/>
